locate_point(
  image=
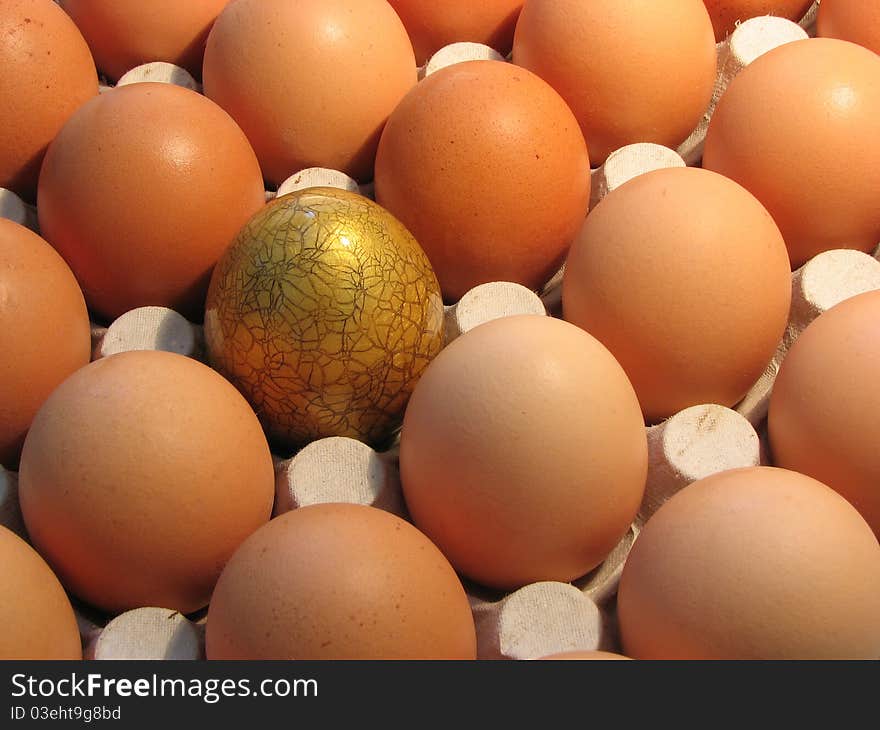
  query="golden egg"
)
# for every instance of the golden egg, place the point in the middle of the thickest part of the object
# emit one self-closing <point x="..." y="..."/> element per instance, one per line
<point x="324" y="312"/>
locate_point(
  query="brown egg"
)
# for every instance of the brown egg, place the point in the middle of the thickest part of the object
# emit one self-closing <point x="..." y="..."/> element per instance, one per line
<point x="311" y="82"/>
<point x="432" y="25"/>
<point x="798" y="128"/>
<point x="726" y="14"/>
<point x="36" y="615"/>
<point x="44" y="331"/>
<point x="126" y="33"/>
<point x="339" y="581"/>
<point x="46" y="74"/>
<point x="683" y="275"/>
<point x="586" y="655"/>
<point x="141" y="475"/>
<point x="825" y="407"/>
<point x="141" y="193"/>
<point x="523" y="454"/>
<point x="486" y="165"/>
<point x="756" y="563"/>
<point x="850" y="20"/>
<point x="631" y="70"/>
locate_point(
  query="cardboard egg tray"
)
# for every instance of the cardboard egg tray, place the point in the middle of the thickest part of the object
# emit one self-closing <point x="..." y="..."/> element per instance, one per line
<point x="538" y="619"/>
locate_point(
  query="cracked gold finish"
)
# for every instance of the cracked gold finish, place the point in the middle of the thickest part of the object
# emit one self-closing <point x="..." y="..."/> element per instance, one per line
<point x="324" y="312"/>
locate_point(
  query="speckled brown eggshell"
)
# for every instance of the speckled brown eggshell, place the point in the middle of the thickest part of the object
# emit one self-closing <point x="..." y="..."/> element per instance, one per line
<point x="727" y="14"/>
<point x="631" y="70"/>
<point x="523" y="452"/>
<point x="683" y="276"/>
<point x="141" y="475"/>
<point x="798" y="128"/>
<point x="35" y="613"/>
<point x="486" y="165"/>
<point x="311" y="82"/>
<point x="758" y="563"/>
<point x="46" y="74"/>
<point x="44" y="331"/>
<point x="825" y="409"/>
<point x="141" y="193"/>
<point x="123" y="34"/>
<point x="339" y="581"/>
<point x="432" y="25"/>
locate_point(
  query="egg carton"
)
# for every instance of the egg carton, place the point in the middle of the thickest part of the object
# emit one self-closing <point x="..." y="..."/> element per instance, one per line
<point x="143" y="633"/>
<point x="529" y="623"/>
<point x="15" y="209"/>
<point x="542" y="618"/>
<point x="536" y="620"/>
<point x="532" y="622"/>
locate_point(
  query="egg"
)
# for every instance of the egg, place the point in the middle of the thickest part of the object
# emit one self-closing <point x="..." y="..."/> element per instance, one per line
<point x="339" y="581"/>
<point x="46" y="74"/>
<point x="311" y="82"/>
<point x="798" y="128"/>
<point x="523" y="455"/>
<point x="123" y="34"/>
<point x="44" y="331"/>
<point x="727" y="14"/>
<point x="683" y="276"/>
<point x="141" y="193"/>
<point x="324" y="312"/>
<point x="825" y="406"/>
<point x="432" y="25"/>
<point x="487" y="166"/>
<point x="631" y="70"/>
<point x="140" y="476"/>
<point x="586" y="656"/>
<point x="850" y="20"/>
<point x="757" y="563"/>
<point x="36" y="614"/>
